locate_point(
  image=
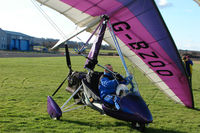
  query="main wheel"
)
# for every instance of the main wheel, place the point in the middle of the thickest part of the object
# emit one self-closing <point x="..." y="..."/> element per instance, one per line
<point x="133" y="125"/>
<point x="141" y="127"/>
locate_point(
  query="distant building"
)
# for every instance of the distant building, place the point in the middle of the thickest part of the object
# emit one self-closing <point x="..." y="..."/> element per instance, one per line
<point x="190" y="53"/>
<point x="3" y="40"/>
<point x="19" y="41"/>
<point x="10" y="40"/>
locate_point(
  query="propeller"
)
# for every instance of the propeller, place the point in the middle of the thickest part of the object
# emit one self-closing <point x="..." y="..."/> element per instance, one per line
<point x="69" y="66"/>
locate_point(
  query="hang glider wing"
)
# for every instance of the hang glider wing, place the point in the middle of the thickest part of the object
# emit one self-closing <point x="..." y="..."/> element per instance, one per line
<point x="143" y="37"/>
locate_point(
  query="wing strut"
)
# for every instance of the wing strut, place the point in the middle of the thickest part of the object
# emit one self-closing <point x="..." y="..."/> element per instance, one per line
<point x="83" y="47"/>
<point x="118" y="48"/>
<point x="121" y="56"/>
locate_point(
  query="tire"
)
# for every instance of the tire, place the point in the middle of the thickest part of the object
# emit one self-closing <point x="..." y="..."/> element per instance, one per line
<point x="141" y="128"/>
<point x="133" y="125"/>
<point x="54" y="118"/>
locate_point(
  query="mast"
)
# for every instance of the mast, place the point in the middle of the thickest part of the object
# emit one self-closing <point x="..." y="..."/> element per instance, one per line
<point x="94" y="52"/>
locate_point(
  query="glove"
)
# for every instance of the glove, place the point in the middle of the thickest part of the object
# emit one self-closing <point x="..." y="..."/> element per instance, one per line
<point x="91" y="64"/>
<point x="119" y="77"/>
<point x="129" y="78"/>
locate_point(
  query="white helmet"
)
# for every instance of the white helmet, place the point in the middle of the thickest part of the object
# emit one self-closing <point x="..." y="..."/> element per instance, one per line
<point x="122" y="90"/>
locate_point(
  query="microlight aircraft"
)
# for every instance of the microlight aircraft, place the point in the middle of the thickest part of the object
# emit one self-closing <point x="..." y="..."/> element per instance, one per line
<point x="136" y="29"/>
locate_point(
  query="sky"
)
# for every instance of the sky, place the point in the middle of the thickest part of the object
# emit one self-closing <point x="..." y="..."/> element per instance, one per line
<point x="182" y="18"/>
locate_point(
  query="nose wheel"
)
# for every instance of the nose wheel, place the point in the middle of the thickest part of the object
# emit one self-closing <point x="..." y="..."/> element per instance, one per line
<point x="138" y="126"/>
<point x="54" y="118"/>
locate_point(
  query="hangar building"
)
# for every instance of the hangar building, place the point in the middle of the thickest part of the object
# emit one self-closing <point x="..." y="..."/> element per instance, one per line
<point x="10" y="40"/>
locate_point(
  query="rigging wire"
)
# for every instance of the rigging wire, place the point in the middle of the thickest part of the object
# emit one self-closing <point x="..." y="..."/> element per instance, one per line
<point x="48" y="19"/>
<point x="53" y="24"/>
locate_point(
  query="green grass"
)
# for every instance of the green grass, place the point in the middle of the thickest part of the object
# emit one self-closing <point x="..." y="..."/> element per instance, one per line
<point x="25" y="84"/>
<point x="104" y="51"/>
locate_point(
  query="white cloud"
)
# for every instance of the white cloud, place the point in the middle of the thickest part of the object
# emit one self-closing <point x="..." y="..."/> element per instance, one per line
<point x="188" y="45"/>
<point x="163" y="3"/>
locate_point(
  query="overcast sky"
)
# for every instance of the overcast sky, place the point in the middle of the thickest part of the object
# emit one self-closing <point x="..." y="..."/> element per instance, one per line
<point x="181" y="16"/>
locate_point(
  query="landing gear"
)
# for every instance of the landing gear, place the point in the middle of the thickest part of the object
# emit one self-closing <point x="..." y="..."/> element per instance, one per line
<point x="54" y="118"/>
<point x="138" y="126"/>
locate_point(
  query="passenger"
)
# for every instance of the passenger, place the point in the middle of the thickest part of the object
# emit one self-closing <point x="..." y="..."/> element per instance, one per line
<point x="108" y="85"/>
<point x="188" y="65"/>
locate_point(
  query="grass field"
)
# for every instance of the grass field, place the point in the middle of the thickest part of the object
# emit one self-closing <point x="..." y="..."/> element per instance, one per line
<point x="104" y="51"/>
<point x="25" y="84"/>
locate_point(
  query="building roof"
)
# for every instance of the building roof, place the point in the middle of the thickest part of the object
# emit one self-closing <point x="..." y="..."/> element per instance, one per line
<point x="16" y="33"/>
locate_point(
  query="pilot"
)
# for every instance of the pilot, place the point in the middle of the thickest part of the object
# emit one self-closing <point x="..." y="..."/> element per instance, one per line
<point x="108" y="85"/>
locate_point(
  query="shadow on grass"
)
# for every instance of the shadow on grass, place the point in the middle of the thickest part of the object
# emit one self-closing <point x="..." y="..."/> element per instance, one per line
<point x="100" y="124"/>
<point x="118" y="124"/>
<point x="154" y="130"/>
<point x="197" y="109"/>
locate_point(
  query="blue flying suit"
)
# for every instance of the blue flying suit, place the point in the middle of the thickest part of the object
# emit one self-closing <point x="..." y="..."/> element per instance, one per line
<point x="188" y="65"/>
<point x="107" y="88"/>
